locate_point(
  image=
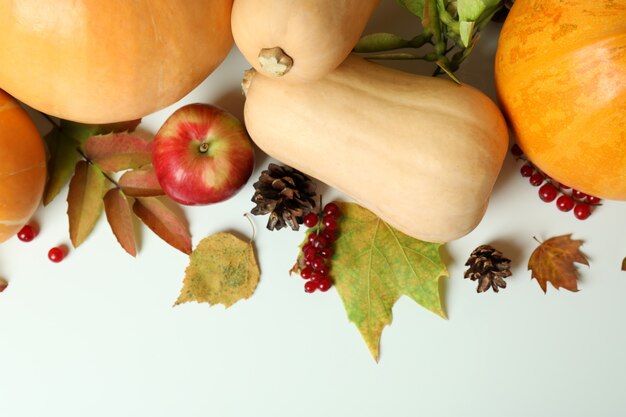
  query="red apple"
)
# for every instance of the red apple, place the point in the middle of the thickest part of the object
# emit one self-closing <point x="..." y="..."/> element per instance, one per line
<point x="202" y="154"/>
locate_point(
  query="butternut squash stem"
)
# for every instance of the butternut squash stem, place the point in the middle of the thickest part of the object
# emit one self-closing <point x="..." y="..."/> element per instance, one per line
<point x="275" y="61"/>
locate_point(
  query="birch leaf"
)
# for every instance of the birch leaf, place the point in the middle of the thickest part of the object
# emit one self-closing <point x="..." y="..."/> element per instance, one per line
<point x="141" y="183"/>
<point x="222" y="270"/>
<point x="163" y="222"/>
<point x="120" y="218"/>
<point x="84" y="200"/>
<point x="553" y="261"/>
<point x="374" y="264"/>
<point x="119" y="151"/>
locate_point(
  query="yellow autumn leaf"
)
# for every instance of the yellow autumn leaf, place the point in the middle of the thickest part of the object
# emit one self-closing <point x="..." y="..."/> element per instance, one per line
<point x="222" y="270"/>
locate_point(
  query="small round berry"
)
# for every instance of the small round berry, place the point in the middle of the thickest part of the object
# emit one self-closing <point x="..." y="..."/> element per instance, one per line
<point x="318" y="263"/>
<point x="26" y="233"/>
<point x="526" y="170"/>
<point x="320" y="242"/>
<point x="592" y="199"/>
<point x="310" y="220"/>
<point x="307" y="246"/>
<point x="516" y="150"/>
<point x="329" y="235"/>
<point x="536" y="179"/>
<point x="56" y="254"/>
<point x="310" y="254"/>
<point x="312" y="237"/>
<point x="329" y="222"/>
<point x="324" y="284"/>
<point x="332" y="209"/>
<point x="564" y="187"/>
<point x="579" y="195"/>
<point x="582" y="211"/>
<point x="565" y="203"/>
<point x="548" y="192"/>
<point x="310" y="286"/>
<point x="307" y="272"/>
<point x="323" y="271"/>
<point x="326" y="253"/>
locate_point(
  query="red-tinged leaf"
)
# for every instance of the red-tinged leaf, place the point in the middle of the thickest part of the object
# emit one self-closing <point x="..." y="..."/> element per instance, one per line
<point x="141" y="183"/>
<point x="84" y="200"/>
<point x="127" y="126"/>
<point x="61" y="160"/>
<point x="164" y="222"/>
<point x="553" y="261"/>
<point x="120" y="219"/>
<point x="119" y="151"/>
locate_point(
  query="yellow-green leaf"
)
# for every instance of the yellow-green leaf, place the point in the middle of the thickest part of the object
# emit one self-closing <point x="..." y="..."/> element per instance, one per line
<point x="120" y="218"/>
<point x="374" y="264"/>
<point x="62" y="158"/>
<point x="84" y="200"/>
<point x="222" y="270"/>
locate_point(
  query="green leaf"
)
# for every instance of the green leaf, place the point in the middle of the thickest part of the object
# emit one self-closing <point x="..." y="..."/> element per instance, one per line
<point x="84" y="201"/>
<point x="377" y="42"/>
<point x="471" y="11"/>
<point x="62" y="158"/>
<point x="222" y="270"/>
<point x="374" y="264"/>
<point x="414" y="6"/>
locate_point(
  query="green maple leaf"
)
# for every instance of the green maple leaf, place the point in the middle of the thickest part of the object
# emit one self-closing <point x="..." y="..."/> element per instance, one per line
<point x="374" y="264"/>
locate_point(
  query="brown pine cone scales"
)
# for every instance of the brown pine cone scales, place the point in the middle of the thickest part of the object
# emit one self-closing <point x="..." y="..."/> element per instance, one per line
<point x="489" y="267"/>
<point x="286" y="194"/>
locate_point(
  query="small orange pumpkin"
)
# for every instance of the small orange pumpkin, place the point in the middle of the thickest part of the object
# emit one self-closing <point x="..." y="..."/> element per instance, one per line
<point x="22" y="167"/>
<point x="561" y="80"/>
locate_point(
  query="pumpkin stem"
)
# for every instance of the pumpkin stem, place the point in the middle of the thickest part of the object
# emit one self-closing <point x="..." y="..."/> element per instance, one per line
<point x="247" y="80"/>
<point x="275" y="61"/>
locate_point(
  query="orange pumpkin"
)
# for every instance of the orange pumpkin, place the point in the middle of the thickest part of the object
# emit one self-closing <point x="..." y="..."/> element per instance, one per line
<point x="22" y="167"/>
<point x="107" y="61"/>
<point x="561" y="80"/>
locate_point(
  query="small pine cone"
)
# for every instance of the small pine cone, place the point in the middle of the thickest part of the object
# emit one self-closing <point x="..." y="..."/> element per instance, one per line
<point x="286" y="194"/>
<point x="489" y="267"/>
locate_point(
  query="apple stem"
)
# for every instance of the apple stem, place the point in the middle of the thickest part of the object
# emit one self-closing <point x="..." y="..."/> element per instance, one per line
<point x="204" y="147"/>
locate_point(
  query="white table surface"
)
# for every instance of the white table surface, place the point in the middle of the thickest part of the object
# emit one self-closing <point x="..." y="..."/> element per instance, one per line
<point x="96" y="335"/>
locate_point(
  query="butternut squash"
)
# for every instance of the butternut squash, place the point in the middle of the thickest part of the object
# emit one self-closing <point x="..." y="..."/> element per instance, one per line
<point x="422" y="153"/>
<point x="298" y="40"/>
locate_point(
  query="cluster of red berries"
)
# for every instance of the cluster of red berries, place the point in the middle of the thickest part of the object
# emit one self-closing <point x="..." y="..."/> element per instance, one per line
<point x="28" y="233"/>
<point x="316" y="253"/>
<point x="567" y="199"/>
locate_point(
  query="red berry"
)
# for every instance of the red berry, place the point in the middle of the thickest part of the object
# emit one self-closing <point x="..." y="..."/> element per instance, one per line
<point x="310" y="286"/>
<point x="332" y="209"/>
<point x="312" y="237"/>
<point x="582" y="211"/>
<point x="324" y="284"/>
<point x="329" y="235"/>
<point x="307" y="246"/>
<point x="565" y="203"/>
<point x="526" y="170"/>
<point x="306" y="272"/>
<point x="310" y="254"/>
<point x="592" y="200"/>
<point x="310" y="220"/>
<point x="579" y="195"/>
<point x="329" y="222"/>
<point x="326" y="253"/>
<point x="320" y="242"/>
<point x="318" y="263"/>
<point x="516" y="150"/>
<point x="548" y="192"/>
<point x="26" y="234"/>
<point x="56" y="254"/>
<point x="323" y="271"/>
<point x="564" y="187"/>
<point x="536" y="179"/>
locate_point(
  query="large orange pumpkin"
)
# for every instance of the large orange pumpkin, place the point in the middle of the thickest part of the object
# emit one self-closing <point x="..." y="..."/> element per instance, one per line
<point x="22" y="167"/>
<point x="98" y="61"/>
<point x="561" y="80"/>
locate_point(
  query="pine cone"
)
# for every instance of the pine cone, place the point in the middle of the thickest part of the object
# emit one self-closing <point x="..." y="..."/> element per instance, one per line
<point x="489" y="267"/>
<point x="286" y="194"/>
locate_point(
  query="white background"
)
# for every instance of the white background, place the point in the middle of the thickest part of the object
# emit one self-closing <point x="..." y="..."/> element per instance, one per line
<point x="96" y="335"/>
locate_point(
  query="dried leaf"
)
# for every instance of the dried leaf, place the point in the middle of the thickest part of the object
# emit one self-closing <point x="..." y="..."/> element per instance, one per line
<point x="374" y="265"/>
<point x="3" y="284"/>
<point x="61" y="162"/>
<point x="119" y="151"/>
<point x="222" y="270"/>
<point x="120" y="219"/>
<point x="163" y="222"/>
<point x="624" y="264"/>
<point x="141" y="183"/>
<point x="84" y="200"/>
<point x="553" y="261"/>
